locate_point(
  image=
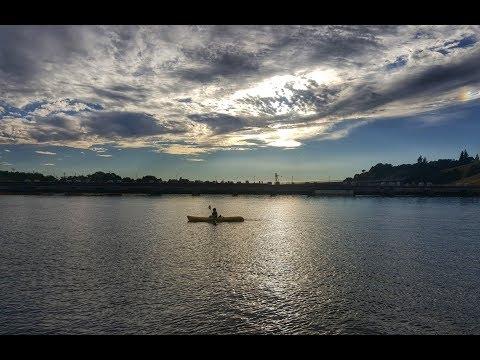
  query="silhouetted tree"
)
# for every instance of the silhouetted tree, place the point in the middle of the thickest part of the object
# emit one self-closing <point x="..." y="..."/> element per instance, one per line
<point x="463" y="157"/>
<point x="149" y="178"/>
<point x="100" y="176"/>
<point x="477" y="158"/>
<point x="421" y="160"/>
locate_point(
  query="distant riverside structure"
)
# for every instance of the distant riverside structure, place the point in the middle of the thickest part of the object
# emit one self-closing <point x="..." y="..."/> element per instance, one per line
<point x="277" y="182"/>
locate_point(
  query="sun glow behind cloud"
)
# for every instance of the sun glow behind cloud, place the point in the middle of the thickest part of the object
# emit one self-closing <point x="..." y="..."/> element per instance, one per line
<point x="283" y="86"/>
<point x="298" y="81"/>
<point x="467" y="94"/>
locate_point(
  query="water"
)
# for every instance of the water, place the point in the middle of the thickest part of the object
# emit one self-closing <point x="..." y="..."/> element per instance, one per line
<point x="115" y="265"/>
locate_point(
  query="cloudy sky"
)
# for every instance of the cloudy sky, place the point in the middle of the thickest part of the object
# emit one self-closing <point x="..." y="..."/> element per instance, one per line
<point x="235" y="101"/>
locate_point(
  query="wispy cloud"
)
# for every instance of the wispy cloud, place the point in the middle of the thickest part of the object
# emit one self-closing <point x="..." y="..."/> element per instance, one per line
<point x="105" y="155"/>
<point x="98" y="149"/>
<point x="45" y="152"/>
<point x="198" y="89"/>
<point x="48" y="164"/>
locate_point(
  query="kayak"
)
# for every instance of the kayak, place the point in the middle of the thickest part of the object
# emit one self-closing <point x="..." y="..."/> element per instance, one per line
<point x="218" y="219"/>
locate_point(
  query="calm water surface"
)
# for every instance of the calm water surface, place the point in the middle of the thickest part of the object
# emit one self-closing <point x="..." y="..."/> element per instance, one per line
<point x="132" y="264"/>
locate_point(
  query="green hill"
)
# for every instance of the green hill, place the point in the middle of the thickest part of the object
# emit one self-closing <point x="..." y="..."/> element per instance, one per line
<point x="469" y="173"/>
<point x="465" y="170"/>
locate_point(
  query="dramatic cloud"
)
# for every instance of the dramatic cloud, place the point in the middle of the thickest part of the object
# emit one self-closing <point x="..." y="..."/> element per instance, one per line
<point x="125" y="125"/>
<point x="220" y="123"/>
<point x="190" y="90"/>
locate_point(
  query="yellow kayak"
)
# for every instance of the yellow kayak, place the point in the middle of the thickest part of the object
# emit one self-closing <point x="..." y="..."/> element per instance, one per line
<point x="217" y="220"/>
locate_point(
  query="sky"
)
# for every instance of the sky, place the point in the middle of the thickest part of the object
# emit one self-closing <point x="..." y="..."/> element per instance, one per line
<point x="236" y="102"/>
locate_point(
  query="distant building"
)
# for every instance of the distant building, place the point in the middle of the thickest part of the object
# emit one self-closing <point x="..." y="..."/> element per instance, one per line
<point x="277" y="182"/>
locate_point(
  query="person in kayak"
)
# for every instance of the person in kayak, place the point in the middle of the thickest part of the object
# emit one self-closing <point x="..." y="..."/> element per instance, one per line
<point x="214" y="213"/>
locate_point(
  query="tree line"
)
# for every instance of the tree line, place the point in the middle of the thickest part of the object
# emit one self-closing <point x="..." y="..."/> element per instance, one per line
<point x="97" y="177"/>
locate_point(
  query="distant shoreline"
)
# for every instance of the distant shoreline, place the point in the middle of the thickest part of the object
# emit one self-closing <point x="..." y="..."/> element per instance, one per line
<point x="312" y="189"/>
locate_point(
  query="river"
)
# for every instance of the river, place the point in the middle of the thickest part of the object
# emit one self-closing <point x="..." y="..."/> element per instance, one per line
<point x="297" y="265"/>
